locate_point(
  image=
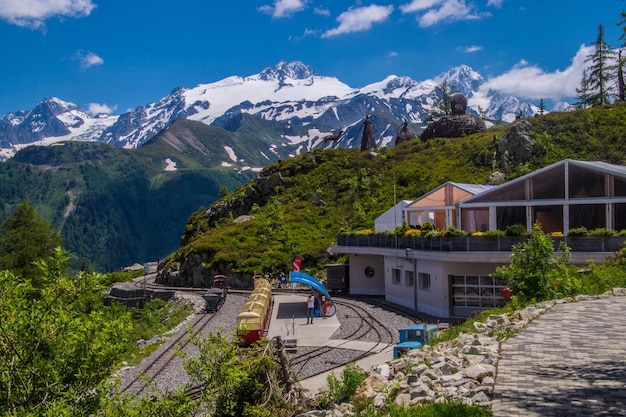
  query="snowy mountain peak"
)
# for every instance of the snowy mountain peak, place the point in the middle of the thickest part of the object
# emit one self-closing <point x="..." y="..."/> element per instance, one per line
<point x="294" y="70"/>
<point x="53" y="106"/>
<point x="463" y="78"/>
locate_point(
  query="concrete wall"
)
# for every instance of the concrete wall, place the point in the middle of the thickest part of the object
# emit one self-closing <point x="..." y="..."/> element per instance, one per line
<point x="435" y="300"/>
<point x="360" y="283"/>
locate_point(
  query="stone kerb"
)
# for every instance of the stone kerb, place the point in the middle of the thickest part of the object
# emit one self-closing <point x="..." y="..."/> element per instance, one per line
<point x="463" y="369"/>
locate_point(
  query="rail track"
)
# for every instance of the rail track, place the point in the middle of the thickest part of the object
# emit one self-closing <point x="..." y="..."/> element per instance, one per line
<point x="158" y="363"/>
<point x="369" y="329"/>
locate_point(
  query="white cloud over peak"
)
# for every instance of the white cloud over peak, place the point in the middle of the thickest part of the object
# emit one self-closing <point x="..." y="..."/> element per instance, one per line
<point x="97" y="108"/>
<point x="33" y="13"/>
<point x="431" y="12"/>
<point x="359" y="19"/>
<point x="284" y="8"/>
<point x="531" y="82"/>
<point x="88" y="59"/>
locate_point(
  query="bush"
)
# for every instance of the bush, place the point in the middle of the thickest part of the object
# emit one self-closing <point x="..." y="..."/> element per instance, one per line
<point x="495" y="234"/>
<point x="342" y="388"/>
<point x="428" y="230"/>
<point x="578" y="231"/>
<point x="602" y="232"/>
<point x="515" y="230"/>
<point x="452" y="231"/>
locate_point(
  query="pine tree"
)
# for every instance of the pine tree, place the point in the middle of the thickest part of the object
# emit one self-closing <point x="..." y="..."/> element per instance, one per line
<point x="600" y="72"/>
<point x="582" y="93"/>
<point x="24" y="239"/>
<point x="542" y="107"/>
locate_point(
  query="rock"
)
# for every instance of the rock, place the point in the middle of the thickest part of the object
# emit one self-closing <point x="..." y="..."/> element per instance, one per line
<point x="516" y="146"/>
<point x="383" y="370"/>
<point x="478" y="372"/>
<point x="454" y="127"/>
<point x="369" y="388"/>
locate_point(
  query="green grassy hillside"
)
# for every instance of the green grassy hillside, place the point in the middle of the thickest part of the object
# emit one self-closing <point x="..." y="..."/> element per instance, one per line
<point x="323" y="192"/>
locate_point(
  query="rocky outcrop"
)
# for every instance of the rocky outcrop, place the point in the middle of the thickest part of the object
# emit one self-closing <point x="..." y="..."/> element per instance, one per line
<point x="517" y="146"/>
<point x="259" y="191"/>
<point x="457" y="124"/>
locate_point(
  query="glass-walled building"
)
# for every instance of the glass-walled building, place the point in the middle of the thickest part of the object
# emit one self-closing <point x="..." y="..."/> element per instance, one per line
<point x="562" y="196"/>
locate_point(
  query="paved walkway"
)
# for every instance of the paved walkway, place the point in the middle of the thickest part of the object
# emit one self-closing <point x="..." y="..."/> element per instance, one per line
<point x="571" y="361"/>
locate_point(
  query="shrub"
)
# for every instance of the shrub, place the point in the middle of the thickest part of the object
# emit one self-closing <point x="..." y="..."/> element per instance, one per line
<point x="602" y="232"/>
<point x="515" y="230"/>
<point x="578" y="231"/>
<point x="452" y="231"/>
<point x="428" y="230"/>
<point x="342" y="388"/>
<point x="413" y="232"/>
<point x="494" y="234"/>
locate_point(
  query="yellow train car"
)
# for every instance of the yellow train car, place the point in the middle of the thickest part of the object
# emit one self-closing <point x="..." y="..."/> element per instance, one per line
<point x="254" y="315"/>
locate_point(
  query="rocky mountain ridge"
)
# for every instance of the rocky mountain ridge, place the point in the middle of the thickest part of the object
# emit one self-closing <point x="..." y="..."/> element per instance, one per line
<point x="306" y="107"/>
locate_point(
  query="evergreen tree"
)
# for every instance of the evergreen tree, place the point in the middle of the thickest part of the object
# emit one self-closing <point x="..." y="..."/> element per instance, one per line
<point x="443" y="101"/>
<point x="600" y="72"/>
<point x="25" y="238"/>
<point x="583" y="94"/>
<point x="542" y="107"/>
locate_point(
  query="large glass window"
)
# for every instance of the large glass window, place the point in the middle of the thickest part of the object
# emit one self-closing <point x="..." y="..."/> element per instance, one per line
<point x="619" y="187"/>
<point x="591" y="216"/>
<point x="510" y="215"/>
<point x="550" y="218"/>
<point x="475" y="219"/>
<point x="584" y="183"/>
<point x="548" y="185"/>
<point x="619" y="212"/>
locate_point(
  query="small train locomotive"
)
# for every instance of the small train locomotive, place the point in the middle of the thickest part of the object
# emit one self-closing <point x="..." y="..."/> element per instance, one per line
<point x="254" y="314"/>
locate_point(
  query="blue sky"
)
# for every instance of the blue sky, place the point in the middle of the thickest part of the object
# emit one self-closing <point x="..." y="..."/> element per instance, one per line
<point x="115" y="55"/>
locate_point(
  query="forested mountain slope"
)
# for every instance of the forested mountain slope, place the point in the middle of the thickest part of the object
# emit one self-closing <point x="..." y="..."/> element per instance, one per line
<point x="114" y="206"/>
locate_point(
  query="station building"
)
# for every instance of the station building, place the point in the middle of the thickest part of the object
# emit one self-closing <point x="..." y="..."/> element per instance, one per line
<point x="449" y="277"/>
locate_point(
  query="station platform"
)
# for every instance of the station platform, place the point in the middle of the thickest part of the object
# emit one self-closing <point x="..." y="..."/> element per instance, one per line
<point x="288" y="320"/>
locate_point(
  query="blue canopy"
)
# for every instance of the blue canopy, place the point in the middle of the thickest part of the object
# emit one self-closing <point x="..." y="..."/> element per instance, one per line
<point x="302" y="278"/>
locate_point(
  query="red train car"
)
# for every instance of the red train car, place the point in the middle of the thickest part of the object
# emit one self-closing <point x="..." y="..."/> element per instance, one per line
<point x="254" y="315"/>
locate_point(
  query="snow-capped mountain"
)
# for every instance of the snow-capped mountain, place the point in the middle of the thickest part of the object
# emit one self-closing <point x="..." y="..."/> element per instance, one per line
<point x="307" y="106"/>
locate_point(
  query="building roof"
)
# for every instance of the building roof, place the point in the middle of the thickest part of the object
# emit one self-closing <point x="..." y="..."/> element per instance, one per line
<point x="595" y="166"/>
<point x="471" y="189"/>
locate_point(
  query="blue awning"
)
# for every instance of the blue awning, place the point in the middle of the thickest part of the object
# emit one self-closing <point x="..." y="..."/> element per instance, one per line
<point x="302" y="278"/>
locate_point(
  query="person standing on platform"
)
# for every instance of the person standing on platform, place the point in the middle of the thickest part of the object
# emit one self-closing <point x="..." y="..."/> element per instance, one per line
<point x="310" y="307"/>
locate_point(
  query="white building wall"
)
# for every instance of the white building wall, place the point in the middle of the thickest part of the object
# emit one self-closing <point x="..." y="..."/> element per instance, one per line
<point x="434" y="300"/>
<point x="360" y="283"/>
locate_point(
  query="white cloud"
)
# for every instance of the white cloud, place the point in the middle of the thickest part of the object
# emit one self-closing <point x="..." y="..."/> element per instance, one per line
<point x="97" y="108"/>
<point x="436" y="11"/>
<point x="495" y="3"/>
<point x="471" y="49"/>
<point x="321" y="11"/>
<point x="88" y="59"/>
<point x="531" y="82"/>
<point x="284" y="8"/>
<point x="359" y="19"/>
<point x="33" y="13"/>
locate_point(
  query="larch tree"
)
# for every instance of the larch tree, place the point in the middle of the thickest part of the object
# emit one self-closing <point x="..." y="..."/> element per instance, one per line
<point x="600" y="72"/>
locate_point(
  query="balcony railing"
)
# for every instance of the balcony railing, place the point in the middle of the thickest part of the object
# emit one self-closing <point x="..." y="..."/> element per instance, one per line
<point x="477" y="243"/>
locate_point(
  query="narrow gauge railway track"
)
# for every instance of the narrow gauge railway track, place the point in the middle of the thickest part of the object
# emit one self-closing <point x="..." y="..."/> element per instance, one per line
<point x="158" y="363"/>
<point x="370" y="329"/>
